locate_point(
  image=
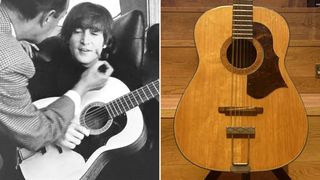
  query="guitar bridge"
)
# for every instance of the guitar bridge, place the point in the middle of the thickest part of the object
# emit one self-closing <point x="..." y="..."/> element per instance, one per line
<point x="241" y="111"/>
<point x="241" y="132"/>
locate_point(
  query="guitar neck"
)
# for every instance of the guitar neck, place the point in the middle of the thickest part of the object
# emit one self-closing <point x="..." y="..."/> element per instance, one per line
<point x="132" y="99"/>
<point x="242" y="23"/>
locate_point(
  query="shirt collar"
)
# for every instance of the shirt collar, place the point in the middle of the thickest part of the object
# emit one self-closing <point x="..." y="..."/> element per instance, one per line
<point x="13" y="32"/>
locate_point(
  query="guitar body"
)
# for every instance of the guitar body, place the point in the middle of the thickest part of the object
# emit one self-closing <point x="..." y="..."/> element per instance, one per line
<point x="280" y="130"/>
<point x="125" y="135"/>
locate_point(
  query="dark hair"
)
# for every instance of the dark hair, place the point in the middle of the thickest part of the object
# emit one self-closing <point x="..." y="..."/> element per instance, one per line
<point x="88" y="16"/>
<point x="29" y="9"/>
<point x="153" y="39"/>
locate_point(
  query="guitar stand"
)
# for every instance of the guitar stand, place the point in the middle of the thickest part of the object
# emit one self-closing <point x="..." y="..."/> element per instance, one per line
<point x="279" y="173"/>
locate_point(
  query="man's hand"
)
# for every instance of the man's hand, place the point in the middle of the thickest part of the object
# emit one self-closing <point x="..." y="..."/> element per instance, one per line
<point x="75" y="133"/>
<point x="93" y="78"/>
<point x="28" y="47"/>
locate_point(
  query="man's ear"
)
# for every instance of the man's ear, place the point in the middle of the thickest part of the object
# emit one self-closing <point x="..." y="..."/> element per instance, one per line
<point x="47" y="17"/>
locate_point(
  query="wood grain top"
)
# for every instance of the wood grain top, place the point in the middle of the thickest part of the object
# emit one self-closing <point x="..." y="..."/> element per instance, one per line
<point x="169" y="104"/>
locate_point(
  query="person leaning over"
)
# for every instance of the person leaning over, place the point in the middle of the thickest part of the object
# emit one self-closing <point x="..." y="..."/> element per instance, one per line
<point x="21" y="123"/>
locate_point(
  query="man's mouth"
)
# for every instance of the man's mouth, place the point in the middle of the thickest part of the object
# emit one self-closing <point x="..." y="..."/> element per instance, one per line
<point x="84" y="50"/>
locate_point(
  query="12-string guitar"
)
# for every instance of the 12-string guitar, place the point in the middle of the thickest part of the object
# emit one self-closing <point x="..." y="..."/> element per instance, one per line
<point x="116" y="128"/>
<point x="241" y="112"/>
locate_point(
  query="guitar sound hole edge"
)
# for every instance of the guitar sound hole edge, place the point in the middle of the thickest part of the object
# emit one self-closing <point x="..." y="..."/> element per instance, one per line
<point x="103" y="126"/>
<point x="246" y="70"/>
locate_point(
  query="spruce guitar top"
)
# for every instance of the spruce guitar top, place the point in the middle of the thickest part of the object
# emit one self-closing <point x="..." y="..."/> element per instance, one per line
<point x="241" y="112"/>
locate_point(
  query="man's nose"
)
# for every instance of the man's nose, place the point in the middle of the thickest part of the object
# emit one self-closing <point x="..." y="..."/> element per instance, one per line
<point x="85" y="37"/>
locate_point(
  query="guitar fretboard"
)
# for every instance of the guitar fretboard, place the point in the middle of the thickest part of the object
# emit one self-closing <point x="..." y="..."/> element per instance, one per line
<point x="242" y="26"/>
<point x="132" y="99"/>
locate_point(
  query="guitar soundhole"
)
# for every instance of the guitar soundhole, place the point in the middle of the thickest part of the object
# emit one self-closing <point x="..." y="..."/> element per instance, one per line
<point x="96" y="117"/>
<point x="241" y="53"/>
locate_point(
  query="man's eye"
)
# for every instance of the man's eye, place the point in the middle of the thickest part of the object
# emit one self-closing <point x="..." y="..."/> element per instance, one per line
<point x="78" y="30"/>
<point x="95" y="33"/>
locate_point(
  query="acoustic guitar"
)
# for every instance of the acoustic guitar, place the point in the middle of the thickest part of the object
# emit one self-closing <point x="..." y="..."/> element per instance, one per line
<point x="116" y="129"/>
<point x="241" y="112"/>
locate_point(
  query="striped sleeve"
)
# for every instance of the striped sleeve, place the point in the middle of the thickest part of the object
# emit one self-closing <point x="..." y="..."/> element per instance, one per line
<point x="20" y="119"/>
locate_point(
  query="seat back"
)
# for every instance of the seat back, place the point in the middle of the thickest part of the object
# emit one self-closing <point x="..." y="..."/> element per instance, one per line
<point x="150" y="64"/>
<point x="126" y="57"/>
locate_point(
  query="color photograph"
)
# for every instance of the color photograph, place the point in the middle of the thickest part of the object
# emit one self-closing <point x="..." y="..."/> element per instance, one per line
<point x="240" y="89"/>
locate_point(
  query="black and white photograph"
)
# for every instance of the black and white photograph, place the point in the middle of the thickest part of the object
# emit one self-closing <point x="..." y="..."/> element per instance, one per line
<point x="79" y="89"/>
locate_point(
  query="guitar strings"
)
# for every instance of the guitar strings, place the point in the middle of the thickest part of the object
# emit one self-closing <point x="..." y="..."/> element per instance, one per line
<point x="245" y="65"/>
<point x="91" y="121"/>
<point x="131" y="98"/>
<point x="100" y="112"/>
<point x="241" y="60"/>
<point x="232" y="92"/>
<point x="90" y="117"/>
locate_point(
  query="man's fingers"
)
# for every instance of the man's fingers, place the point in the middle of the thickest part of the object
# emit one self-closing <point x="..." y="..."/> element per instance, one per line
<point x="81" y="129"/>
<point x="66" y="144"/>
<point x="76" y="134"/>
<point x="105" y="68"/>
<point x="73" y="136"/>
<point x="108" y="69"/>
<point x="72" y="139"/>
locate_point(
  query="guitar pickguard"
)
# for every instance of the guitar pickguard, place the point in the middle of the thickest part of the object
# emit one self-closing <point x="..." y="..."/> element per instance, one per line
<point x="91" y="143"/>
<point x="268" y="77"/>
